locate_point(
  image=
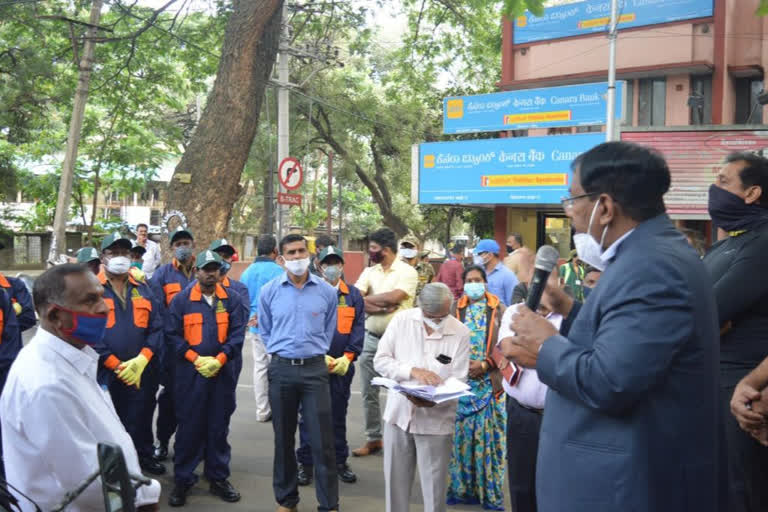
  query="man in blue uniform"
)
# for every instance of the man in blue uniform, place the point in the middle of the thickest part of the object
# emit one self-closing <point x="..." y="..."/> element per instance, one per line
<point x="226" y="251"/>
<point x="21" y="301"/>
<point x="90" y="257"/>
<point x="166" y="282"/>
<point x="134" y="336"/>
<point x="206" y="325"/>
<point x="346" y="345"/>
<point x="10" y="342"/>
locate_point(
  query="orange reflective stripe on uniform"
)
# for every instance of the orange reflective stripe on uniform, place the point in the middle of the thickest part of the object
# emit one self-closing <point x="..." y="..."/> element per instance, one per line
<point x="170" y="290"/>
<point x="4" y="283"/>
<point x="111" y="314"/>
<point x="141" y="310"/>
<point x="193" y="328"/>
<point x="345" y="318"/>
<point x="222" y="322"/>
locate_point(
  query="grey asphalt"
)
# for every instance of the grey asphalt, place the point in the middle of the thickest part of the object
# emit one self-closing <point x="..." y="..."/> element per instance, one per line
<point x="251" y="466"/>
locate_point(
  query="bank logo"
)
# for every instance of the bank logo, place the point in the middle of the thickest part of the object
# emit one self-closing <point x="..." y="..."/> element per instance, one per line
<point x="429" y="161"/>
<point x="455" y="108"/>
<point x="522" y="21"/>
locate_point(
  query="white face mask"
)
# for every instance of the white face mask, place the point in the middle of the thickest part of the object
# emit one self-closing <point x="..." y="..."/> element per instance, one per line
<point x="408" y="253"/>
<point x="297" y="267"/>
<point x="118" y="265"/>
<point x="590" y="251"/>
<point x="478" y="260"/>
<point x="433" y="324"/>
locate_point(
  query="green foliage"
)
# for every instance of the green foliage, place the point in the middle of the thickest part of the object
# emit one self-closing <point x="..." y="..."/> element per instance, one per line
<point x="139" y="107"/>
<point x="762" y="8"/>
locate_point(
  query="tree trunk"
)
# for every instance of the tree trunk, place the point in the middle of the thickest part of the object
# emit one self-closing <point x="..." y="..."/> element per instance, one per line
<point x="58" y="237"/>
<point x="219" y="148"/>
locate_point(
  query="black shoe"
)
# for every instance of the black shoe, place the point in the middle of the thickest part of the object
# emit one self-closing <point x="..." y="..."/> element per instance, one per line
<point x="161" y="452"/>
<point x="346" y="474"/>
<point x="304" y="475"/>
<point x="152" y="466"/>
<point x="178" y="497"/>
<point x="224" y="490"/>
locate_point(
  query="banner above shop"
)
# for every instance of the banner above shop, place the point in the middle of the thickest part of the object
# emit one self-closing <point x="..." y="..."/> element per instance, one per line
<point x="569" y="105"/>
<point x="522" y="170"/>
<point x="592" y="16"/>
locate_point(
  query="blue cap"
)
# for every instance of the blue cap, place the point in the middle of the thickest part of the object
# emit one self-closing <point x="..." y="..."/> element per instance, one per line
<point x="487" y="245"/>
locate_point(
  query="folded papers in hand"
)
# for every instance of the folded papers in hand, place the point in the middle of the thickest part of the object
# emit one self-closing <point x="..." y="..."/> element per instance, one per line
<point x="451" y="389"/>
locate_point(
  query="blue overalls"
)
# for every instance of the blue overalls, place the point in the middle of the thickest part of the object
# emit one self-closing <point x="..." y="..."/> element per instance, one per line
<point x="198" y="329"/>
<point x="242" y="291"/>
<point x="166" y="282"/>
<point x="10" y="345"/>
<point x="18" y="293"/>
<point x="350" y="330"/>
<point x="134" y="326"/>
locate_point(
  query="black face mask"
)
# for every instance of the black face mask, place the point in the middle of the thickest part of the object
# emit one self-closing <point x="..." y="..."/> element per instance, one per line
<point x="510" y="249"/>
<point x="731" y="213"/>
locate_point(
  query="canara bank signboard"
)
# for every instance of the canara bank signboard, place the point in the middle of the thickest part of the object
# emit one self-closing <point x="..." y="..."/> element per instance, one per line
<point x="592" y="16"/>
<point x="570" y="105"/>
<point x="523" y="170"/>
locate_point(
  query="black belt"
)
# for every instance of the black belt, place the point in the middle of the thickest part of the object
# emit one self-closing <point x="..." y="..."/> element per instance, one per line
<point x="296" y="361"/>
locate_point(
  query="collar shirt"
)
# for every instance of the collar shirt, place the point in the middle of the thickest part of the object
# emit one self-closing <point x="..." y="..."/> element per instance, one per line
<point x="525" y="387"/>
<point x="152" y="258"/>
<point x="297" y="322"/>
<point x="406" y="345"/>
<point x="611" y="251"/>
<point x="375" y="280"/>
<point x="53" y="415"/>
<point x="502" y="282"/>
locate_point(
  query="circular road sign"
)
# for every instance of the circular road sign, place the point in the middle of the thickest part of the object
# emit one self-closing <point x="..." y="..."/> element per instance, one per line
<point x="290" y="173"/>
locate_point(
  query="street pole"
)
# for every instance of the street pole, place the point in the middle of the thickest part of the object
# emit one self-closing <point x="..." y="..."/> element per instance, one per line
<point x="329" y="195"/>
<point x="610" y="124"/>
<point x="59" y="235"/>
<point x="283" y="114"/>
<point x="341" y="217"/>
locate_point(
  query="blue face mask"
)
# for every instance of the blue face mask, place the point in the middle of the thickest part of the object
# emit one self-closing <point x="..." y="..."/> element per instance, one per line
<point x="474" y="290"/>
<point x="183" y="253"/>
<point x="86" y="328"/>
<point x="137" y="264"/>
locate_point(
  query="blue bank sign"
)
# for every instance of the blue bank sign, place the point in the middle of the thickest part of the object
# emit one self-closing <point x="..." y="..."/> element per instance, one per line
<point x="521" y="170"/>
<point x="592" y="16"/>
<point x="570" y="105"/>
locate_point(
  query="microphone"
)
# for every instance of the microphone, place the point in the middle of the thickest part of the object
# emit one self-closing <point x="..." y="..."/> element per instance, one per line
<point x="546" y="259"/>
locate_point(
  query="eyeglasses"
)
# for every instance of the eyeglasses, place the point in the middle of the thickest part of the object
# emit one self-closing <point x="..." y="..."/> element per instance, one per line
<point x="567" y="202"/>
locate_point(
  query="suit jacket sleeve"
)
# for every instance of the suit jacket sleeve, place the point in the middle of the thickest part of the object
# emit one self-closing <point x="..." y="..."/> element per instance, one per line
<point x="642" y="326"/>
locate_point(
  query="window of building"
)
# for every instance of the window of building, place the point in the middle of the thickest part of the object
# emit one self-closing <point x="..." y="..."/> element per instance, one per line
<point x="652" y="102"/>
<point x="748" y="109"/>
<point x="589" y="129"/>
<point x="560" y="130"/>
<point x="155" y="217"/>
<point x="700" y="101"/>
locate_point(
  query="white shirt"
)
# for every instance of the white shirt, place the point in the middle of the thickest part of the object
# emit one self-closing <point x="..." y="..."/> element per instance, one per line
<point x="152" y="258"/>
<point x="528" y="389"/>
<point x="610" y="252"/>
<point x="405" y="345"/>
<point x="53" y="414"/>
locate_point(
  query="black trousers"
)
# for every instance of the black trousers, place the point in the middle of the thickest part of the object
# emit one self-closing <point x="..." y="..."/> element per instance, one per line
<point x="746" y="470"/>
<point x="304" y="385"/>
<point x="523" y="427"/>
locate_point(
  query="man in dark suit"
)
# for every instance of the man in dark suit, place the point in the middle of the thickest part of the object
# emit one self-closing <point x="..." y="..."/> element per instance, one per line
<point x="631" y="416"/>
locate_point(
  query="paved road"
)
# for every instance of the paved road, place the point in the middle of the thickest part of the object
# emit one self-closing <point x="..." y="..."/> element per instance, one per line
<point x="252" y="448"/>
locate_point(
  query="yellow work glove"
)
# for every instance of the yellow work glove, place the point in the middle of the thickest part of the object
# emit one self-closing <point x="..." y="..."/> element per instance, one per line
<point x="341" y="366"/>
<point x="17" y="308"/>
<point x="130" y="371"/>
<point x="329" y="362"/>
<point x="138" y="274"/>
<point x="208" y="367"/>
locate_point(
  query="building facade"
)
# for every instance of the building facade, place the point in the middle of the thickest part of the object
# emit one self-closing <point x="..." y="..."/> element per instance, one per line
<point x="693" y="92"/>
